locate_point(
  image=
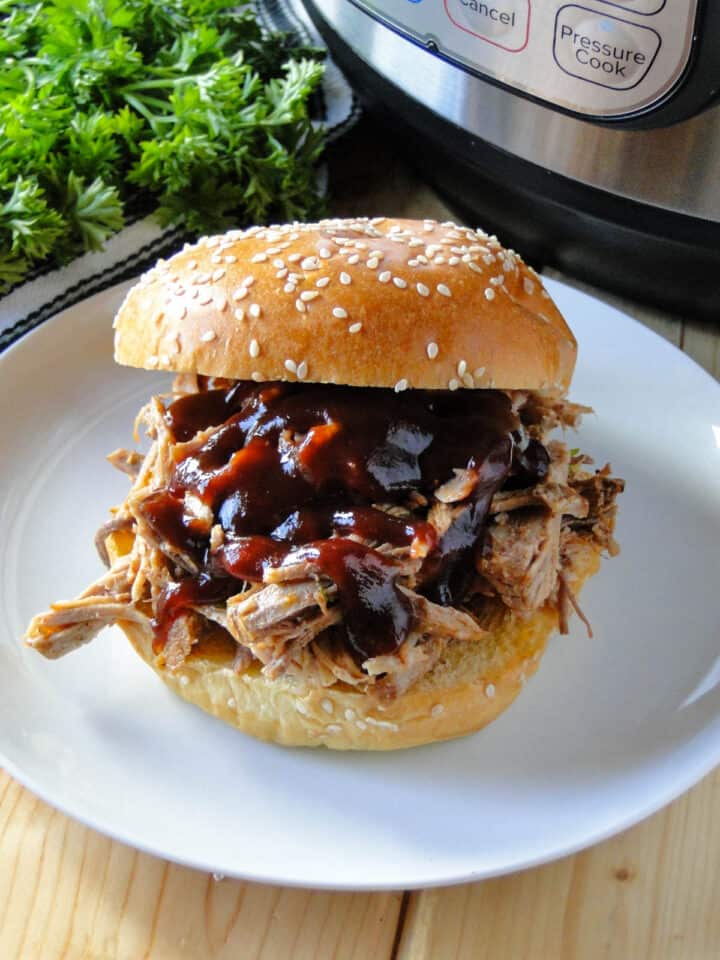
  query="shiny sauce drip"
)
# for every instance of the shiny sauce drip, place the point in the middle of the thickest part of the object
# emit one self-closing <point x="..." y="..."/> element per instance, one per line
<point x="291" y="471"/>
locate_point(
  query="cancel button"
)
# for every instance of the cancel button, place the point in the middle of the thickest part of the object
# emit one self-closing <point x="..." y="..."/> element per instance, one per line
<point x="504" y="23"/>
<point x="605" y="50"/>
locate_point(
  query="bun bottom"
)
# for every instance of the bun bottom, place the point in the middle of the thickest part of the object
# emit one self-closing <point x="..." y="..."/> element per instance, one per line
<point x="467" y="689"/>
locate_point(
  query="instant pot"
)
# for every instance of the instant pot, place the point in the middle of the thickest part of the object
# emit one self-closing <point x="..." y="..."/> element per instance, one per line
<point x="584" y="133"/>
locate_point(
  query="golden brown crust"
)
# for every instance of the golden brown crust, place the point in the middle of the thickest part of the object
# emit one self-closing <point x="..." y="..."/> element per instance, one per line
<point x="471" y="685"/>
<point x="359" y="302"/>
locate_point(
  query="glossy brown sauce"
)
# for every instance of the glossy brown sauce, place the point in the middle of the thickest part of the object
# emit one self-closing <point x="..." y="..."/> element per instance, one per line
<point x="292" y="470"/>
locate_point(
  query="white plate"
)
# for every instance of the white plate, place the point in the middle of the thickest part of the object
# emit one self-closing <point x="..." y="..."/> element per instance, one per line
<point x="608" y="731"/>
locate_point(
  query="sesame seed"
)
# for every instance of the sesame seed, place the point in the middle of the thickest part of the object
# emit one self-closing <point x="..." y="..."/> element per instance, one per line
<point x="479" y="372"/>
<point x="327" y="706"/>
<point x="302" y="370"/>
<point x="230" y="258"/>
<point x="528" y="286"/>
<point x="467" y="379"/>
<point x="218" y="274"/>
<point x="490" y="691"/>
<point x="291" y="366"/>
<point x="282" y="273"/>
<point x="205" y="300"/>
<point x="310" y="263"/>
<point x="400" y="283"/>
<point x="439" y="260"/>
<point x="308" y="295"/>
<point x="254" y="349"/>
<point x="182" y="312"/>
<point x="212" y="241"/>
<point x="453" y="384"/>
<point x="239" y="314"/>
<point x="184" y="680"/>
<point x="443" y="290"/>
<point x="422" y="290"/>
<point x="432" y="350"/>
<point x="401" y="385"/>
<point x="497" y="281"/>
<point x="345" y="278"/>
<point x="289" y="287"/>
<point x="489" y="293"/>
<point x="349" y="714"/>
<point x="360" y="724"/>
<point x="353" y="258"/>
<point x="355" y="327"/>
<point x="232" y="703"/>
<point x="413" y="263"/>
<point x="256" y="376"/>
<point x="192" y="264"/>
<point x="325" y="253"/>
<point x="340" y="313"/>
<point x="385" y="276"/>
<point x="453" y="261"/>
<point x="259" y="258"/>
<point x="300" y="306"/>
<point x="152" y="361"/>
<point x="385" y="724"/>
<point x="462" y="368"/>
<point x="488" y="258"/>
<point x="300" y="707"/>
<point x="254" y="310"/>
<point x="437" y="710"/>
<point x="322" y="282"/>
<point x="279" y="263"/>
<point x="545" y="294"/>
<point x="221" y="303"/>
<point x="373" y="263"/>
<point x="333" y="728"/>
<point x="475" y="266"/>
<point x="207" y="336"/>
<point x="294" y="257"/>
<point x="201" y="278"/>
<point x="240" y="293"/>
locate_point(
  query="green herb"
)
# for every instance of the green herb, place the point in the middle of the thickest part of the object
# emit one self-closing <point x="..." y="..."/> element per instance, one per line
<point x="184" y="106"/>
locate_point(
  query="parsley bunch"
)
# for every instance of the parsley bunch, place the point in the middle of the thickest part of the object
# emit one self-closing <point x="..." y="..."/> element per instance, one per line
<point x="182" y="105"/>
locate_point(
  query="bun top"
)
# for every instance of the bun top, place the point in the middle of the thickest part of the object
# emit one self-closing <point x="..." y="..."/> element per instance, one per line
<point x="381" y="302"/>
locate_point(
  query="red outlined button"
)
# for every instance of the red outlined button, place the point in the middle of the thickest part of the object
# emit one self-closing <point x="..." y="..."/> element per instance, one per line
<point x="503" y="23"/>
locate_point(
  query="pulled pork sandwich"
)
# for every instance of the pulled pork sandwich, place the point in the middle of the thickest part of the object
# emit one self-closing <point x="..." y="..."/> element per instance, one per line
<point x="351" y="528"/>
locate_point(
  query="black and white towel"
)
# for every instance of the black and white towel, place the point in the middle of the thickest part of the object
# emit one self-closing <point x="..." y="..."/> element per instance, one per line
<point x="142" y="241"/>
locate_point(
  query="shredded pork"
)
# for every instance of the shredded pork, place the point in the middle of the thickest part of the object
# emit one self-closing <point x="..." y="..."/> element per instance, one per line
<point x="288" y="623"/>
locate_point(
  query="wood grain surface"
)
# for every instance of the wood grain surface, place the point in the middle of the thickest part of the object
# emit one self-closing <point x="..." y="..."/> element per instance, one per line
<point x="652" y="893"/>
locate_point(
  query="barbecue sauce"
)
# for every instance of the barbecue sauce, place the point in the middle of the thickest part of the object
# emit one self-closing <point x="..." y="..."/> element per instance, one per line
<point x="290" y="473"/>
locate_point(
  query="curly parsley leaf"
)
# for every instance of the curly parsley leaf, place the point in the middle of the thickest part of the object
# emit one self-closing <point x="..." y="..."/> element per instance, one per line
<point x="184" y="106"/>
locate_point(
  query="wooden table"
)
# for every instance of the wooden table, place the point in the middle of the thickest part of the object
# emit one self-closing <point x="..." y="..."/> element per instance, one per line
<point x="652" y="893"/>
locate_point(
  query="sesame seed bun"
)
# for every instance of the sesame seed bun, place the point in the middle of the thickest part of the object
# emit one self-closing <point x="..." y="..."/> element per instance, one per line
<point x="383" y="302"/>
<point x="468" y="688"/>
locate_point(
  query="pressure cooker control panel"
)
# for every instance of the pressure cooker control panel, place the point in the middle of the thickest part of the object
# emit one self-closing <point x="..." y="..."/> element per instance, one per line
<point x="603" y="58"/>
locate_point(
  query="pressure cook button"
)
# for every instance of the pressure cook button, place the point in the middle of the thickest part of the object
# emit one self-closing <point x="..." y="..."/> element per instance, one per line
<point x="604" y="50"/>
<point x="504" y="23"/>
